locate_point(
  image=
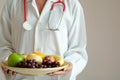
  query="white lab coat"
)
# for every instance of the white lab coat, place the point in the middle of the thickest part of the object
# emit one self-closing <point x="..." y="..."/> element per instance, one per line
<point x="69" y="41"/>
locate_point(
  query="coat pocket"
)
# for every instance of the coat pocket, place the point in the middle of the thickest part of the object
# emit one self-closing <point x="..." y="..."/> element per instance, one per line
<point x="55" y="17"/>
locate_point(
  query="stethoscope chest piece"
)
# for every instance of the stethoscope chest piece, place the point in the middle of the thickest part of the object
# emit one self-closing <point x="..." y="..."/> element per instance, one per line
<point x="27" y="26"/>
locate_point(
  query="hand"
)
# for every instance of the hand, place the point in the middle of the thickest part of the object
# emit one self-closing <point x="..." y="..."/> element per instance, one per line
<point x="63" y="71"/>
<point x="8" y="72"/>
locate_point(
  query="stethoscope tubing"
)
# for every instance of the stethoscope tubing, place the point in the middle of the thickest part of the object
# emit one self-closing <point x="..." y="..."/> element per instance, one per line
<point x="25" y="10"/>
<point x="57" y="2"/>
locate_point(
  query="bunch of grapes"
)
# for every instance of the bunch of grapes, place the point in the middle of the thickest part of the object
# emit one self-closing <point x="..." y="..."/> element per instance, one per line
<point x="49" y="64"/>
<point x="46" y="63"/>
<point x="28" y="64"/>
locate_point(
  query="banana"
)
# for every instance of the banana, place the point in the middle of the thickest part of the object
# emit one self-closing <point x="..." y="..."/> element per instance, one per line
<point x="59" y="59"/>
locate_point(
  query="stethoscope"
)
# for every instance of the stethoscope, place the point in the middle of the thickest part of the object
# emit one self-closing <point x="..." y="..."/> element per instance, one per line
<point x="28" y="27"/>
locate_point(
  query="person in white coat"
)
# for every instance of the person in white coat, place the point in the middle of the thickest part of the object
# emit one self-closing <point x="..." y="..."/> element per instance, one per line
<point x="51" y="28"/>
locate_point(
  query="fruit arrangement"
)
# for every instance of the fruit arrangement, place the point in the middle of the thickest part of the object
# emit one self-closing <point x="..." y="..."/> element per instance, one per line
<point x="34" y="60"/>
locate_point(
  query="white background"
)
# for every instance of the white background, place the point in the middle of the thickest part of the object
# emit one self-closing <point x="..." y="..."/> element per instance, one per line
<point x="103" y="33"/>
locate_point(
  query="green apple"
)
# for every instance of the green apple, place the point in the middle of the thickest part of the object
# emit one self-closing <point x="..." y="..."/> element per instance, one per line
<point x="15" y="58"/>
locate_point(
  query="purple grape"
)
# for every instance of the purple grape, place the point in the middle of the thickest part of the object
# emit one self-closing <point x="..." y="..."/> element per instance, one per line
<point x="49" y="66"/>
<point x="39" y="66"/>
<point x="36" y="65"/>
<point x="57" y="64"/>
<point x="32" y="64"/>
<point x="53" y="65"/>
<point x="49" y="62"/>
<point x="44" y="66"/>
<point x="44" y="60"/>
<point x="25" y="64"/>
<point x="33" y="60"/>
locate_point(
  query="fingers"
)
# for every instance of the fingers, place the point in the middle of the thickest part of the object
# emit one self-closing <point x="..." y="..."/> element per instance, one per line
<point x="8" y="72"/>
<point x="69" y="68"/>
<point x="57" y="73"/>
<point x="4" y="70"/>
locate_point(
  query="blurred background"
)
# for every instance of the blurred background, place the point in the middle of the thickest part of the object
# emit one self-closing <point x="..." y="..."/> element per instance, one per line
<point x="103" y="34"/>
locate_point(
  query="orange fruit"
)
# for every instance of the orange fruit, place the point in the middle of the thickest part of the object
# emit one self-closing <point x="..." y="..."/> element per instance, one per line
<point x="39" y="54"/>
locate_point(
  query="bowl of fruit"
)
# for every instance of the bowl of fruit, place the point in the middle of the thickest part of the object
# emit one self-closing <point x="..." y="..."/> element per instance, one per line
<point x="34" y="64"/>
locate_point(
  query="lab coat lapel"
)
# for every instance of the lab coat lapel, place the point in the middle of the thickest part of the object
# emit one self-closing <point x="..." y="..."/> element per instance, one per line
<point x="35" y="7"/>
<point x="51" y="18"/>
<point x="44" y="17"/>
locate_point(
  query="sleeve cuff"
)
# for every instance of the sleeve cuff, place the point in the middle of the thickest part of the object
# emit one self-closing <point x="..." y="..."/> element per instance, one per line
<point x="78" y="62"/>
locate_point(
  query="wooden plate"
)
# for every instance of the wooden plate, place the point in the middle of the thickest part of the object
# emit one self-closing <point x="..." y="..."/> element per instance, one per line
<point x="35" y="71"/>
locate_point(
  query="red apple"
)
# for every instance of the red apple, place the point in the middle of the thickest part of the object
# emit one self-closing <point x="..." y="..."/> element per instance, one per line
<point x="25" y="55"/>
<point x="51" y="58"/>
